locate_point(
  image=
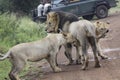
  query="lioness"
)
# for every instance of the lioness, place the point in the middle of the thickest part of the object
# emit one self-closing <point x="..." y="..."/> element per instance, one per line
<point x="47" y="48"/>
<point x="85" y="33"/>
<point x="101" y="29"/>
<point x="61" y="20"/>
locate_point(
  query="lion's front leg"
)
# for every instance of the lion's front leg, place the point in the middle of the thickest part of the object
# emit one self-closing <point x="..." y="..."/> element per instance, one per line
<point x="68" y="50"/>
<point x="78" y="55"/>
<point x="52" y="61"/>
<point x="84" y="56"/>
<point x="83" y="52"/>
<point x="100" y="53"/>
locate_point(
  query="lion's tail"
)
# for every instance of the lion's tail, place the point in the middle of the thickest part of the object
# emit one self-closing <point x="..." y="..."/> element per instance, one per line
<point x="5" y="56"/>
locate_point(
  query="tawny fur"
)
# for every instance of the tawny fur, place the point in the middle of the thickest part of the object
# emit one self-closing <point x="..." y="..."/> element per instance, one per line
<point x="47" y="48"/>
<point x="85" y="32"/>
<point x="61" y="20"/>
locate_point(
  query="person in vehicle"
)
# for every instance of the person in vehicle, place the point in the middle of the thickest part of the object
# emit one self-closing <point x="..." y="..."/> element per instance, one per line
<point x="43" y="7"/>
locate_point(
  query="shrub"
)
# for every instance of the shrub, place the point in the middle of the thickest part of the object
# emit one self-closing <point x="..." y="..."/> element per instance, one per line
<point x="15" y="30"/>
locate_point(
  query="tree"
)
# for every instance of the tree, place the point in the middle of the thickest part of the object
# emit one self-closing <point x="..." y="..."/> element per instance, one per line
<point x="5" y="5"/>
<point x="24" y="6"/>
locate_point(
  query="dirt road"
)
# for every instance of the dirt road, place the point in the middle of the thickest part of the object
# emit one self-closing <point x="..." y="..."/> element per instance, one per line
<point x="110" y="69"/>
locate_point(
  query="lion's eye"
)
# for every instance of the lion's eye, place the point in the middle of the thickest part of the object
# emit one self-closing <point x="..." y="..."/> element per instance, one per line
<point x="102" y="28"/>
<point x="49" y="23"/>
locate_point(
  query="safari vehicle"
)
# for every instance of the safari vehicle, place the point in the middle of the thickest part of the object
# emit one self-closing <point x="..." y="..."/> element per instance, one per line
<point x="85" y="8"/>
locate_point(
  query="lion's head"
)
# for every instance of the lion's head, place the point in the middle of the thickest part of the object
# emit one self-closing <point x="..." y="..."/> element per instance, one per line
<point x="101" y="28"/>
<point x="52" y="22"/>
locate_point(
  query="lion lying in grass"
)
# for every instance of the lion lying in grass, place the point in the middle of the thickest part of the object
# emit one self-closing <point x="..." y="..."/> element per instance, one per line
<point x="47" y="48"/>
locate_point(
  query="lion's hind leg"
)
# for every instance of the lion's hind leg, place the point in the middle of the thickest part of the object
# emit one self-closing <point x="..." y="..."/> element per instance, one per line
<point x="84" y="53"/>
<point x="17" y="66"/>
<point x="92" y="42"/>
<point x="78" y="55"/>
<point x="84" y="57"/>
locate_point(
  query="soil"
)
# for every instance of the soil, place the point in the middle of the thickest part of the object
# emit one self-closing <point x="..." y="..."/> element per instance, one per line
<point x="109" y="70"/>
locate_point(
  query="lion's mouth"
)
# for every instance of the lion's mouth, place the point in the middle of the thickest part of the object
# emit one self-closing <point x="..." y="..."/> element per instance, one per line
<point x="103" y="35"/>
<point x="49" y="31"/>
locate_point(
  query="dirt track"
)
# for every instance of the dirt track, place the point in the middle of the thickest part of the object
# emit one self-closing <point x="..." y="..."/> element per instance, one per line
<point x="110" y="69"/>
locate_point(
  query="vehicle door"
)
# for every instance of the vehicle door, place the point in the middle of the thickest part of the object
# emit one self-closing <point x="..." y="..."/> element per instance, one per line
<point x="68" y="6"/>
<point x="86" y="7"/>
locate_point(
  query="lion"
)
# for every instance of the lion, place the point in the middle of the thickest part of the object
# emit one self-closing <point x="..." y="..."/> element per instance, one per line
<point x="85" y="33"/>
<point x="102" y="28"/>
<point x="54" y="20"/>
<point x="61" y="20"/>
<point x="47" y="48"/>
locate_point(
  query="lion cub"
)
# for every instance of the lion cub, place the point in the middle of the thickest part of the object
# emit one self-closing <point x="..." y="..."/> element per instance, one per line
<point x="47" y="48"/>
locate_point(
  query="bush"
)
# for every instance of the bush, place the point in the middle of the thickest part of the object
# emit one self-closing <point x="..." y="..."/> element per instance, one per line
<point x="15" y="30"/>
<point x="19" y="6"/>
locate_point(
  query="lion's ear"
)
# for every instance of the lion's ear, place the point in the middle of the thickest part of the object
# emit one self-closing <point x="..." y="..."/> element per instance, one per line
<point x="55" y="14"/>
<point x="97" y="22"/>
<point x="64" y="34"/>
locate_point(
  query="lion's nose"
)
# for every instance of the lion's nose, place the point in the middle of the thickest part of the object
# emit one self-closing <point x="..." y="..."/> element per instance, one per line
<point x="107" y="31"/>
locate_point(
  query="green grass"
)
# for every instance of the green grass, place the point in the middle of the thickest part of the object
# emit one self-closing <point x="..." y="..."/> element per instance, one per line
<point x="5" y="67"/>
<point x="14" y="30"/>
<point x="115" y="9"/>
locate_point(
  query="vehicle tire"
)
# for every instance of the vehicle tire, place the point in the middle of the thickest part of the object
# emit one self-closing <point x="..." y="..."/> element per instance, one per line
<point x="101" y="11"/>
<point x="88" y="17"/>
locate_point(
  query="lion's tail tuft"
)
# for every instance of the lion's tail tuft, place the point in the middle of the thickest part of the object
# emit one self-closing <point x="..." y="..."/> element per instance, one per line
<point x="5" y="56"/>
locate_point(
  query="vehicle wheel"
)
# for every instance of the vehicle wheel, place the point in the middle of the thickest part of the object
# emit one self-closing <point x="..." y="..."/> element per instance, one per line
<point x="101" y="11"/>
<point x="88" y="17"/>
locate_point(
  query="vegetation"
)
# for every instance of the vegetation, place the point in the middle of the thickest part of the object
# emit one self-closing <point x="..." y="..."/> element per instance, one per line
<point x="115" y="9"/>
<point x="14" y="30"/>
<point x="23" y="6"/>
